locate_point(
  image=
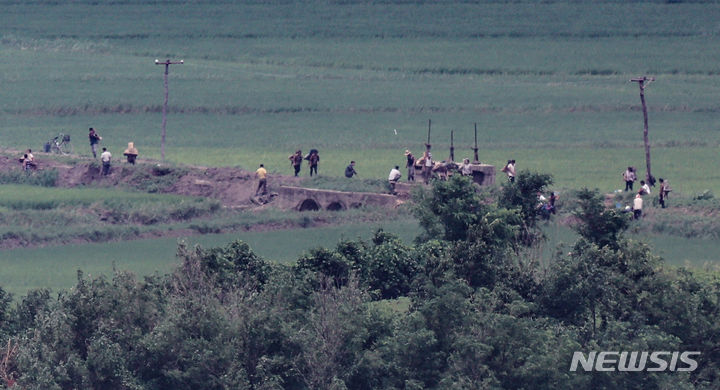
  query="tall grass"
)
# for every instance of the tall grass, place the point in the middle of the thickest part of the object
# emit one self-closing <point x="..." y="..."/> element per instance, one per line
<point x="44" y="178"/>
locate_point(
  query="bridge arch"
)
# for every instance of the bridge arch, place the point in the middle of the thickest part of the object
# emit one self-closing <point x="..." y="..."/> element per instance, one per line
<point x="309" y="204"/>
<point x="336" y="205"/>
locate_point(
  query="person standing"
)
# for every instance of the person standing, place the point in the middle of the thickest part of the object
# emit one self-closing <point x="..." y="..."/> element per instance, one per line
<point x="393" y="178"/>
<point x="131" y="153"/>
<point x="466" y="168"/>
<point x="350" y="170"/>
<point x="664" y="191"/>
<point x="105" y="157"/>
<point x="95" y="138"/>
<point x="296" y="161"/>
<point x="313" y="160"/>
<point x="427" y="167"/>
<point x="410" y="165"/>
<point x="637" y="206"/>
<point x="510" y="170"/>
<point x="629" y="177"/>
<point x="261" y="175"/>
<point x="553" y="199"/>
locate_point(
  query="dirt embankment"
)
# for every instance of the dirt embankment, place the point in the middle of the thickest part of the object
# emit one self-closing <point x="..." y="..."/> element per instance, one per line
<point x="233" y="187"/>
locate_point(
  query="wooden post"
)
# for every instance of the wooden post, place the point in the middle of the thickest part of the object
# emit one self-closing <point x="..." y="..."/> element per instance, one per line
<point x="427" y="144"/>
<point x="452" y="147"/>
<point x="475" y="149"/>
<point x="642" y="84"/>
<point x="167" y="64"/>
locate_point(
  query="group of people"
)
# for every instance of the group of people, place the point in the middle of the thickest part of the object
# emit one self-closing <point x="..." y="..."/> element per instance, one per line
<point x="427" y="166"/>
<point x="630" y="176"/>
<point x="424" y="163"/>
<point x="130" y="153"/>
<point x="28" y="161"/>
<point x="313" y="158"/>
<point x="546" y="206"/>
<point x="105" y="156"/>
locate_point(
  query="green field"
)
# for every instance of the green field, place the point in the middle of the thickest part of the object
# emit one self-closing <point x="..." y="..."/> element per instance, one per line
<point x="547" y="83"/>
<point x="56" y="267"/>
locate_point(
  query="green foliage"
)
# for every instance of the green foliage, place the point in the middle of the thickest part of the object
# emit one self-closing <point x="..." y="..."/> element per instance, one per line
<point x="598" y="224"/>
<point x="328" y="263"/>
<point x="5" y="300"/>
<point x="523" y="195"/>
<point x="451" y="208"/>
<point x="597" y="284"/>
<point x="42" y="178"/>
<point x="209" y="325"/>
<point x="485" y="258"/>
<point x="348" y="72"/>
<point x="236" y="263"/>
<point x="705" y="195"/>
<point x="385" y="265"/>
<point x="157" y="179"/>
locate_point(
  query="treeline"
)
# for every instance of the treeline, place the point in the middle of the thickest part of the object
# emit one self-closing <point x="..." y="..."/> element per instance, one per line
<point x="465" y="307"/>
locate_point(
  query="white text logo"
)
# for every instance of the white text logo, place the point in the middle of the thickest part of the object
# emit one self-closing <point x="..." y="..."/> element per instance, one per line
<point x="634" y="361"/>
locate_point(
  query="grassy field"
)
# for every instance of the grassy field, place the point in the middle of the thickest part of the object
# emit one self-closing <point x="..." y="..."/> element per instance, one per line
<point x="55" y="267"/>
<point x="547" y="83"/>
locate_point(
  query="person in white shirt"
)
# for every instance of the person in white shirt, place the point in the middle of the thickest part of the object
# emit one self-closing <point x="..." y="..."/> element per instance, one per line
<point x="509" y="169"/>
<point x="637" y="206"/>
<point x="645" y="189"/>
<point x="428" y="165"/>
<point x="466" y="168"/>
<point x="105" y="157"/>
<point x="629" y="177"/>
<point x="393" y="178"/>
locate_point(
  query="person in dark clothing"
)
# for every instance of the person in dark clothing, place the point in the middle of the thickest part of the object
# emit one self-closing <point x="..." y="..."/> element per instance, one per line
<point x="551" y="202"/>
<point x="410" y="165"/>
<point x="350" y="170"/>
<point x="313" y="160"/>
<point x="94" y="140"/>
<point x="296" y="161"/>
<point x="664" y="191"/>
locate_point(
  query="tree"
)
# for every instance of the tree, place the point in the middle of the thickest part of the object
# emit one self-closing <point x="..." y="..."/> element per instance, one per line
<point x="233" y="264"/>
<point x="598" y="224"/>
<point x="485" y="257"/>
<point x="449" y="209"/>
<point x="332" y="337"/>
<point x="523" y="195"/>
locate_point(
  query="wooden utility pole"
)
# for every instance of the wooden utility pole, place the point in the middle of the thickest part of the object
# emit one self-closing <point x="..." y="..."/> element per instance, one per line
<point x="642" y="83"/>
<point x="475" y="149"/>
<point x="167" y="64"/>
<point x="452" y="146"/>
<point x="427" y="144"/>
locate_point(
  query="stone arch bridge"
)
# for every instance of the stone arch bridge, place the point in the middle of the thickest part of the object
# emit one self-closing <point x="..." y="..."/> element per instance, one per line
<point x="306" y="199"/>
